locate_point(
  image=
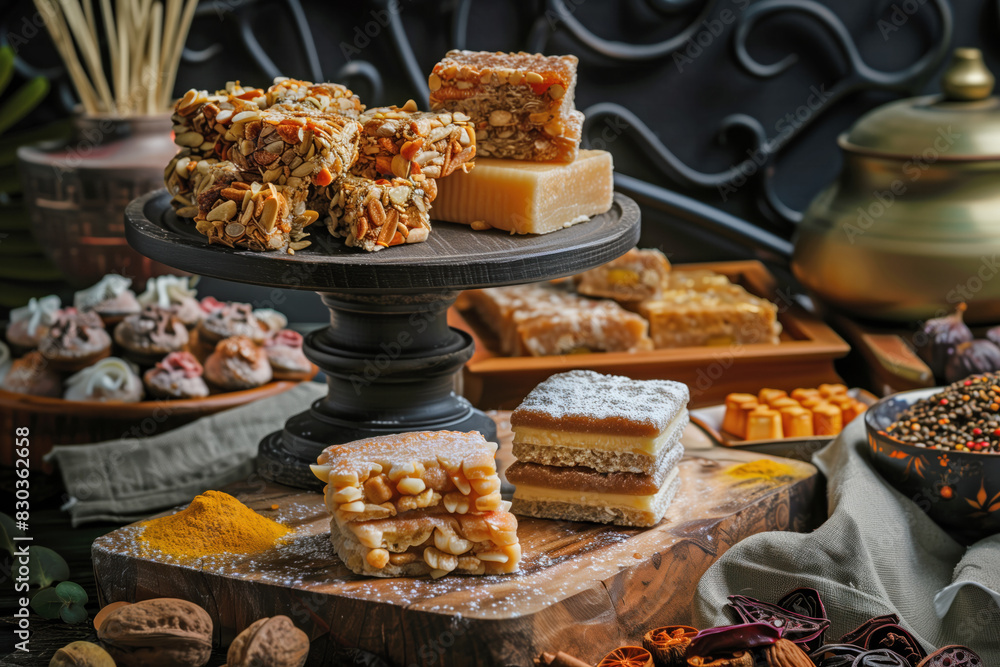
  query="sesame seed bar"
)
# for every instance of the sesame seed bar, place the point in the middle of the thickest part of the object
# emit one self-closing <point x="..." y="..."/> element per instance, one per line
<point x="544" y="319"/>
<point x="253" y="215"/>
<point x="521" y="103"/>
<point x="404" y="142"/>
<point x="430" y="542"/>
<point x="377" y="214"/>
<point x="386" y="475"/>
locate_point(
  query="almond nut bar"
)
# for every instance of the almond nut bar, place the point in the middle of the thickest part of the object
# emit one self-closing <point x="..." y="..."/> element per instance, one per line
<point x="383" y="476"/>
<point x="405" y="143"/>
<point x="254" y="215"/>
<point x="521" y="103"/>
<point x="377" y="214"/>
<point x="332" y="97"/>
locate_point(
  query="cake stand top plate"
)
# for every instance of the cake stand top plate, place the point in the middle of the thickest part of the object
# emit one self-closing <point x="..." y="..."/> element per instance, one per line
<point x="454" y="257"/>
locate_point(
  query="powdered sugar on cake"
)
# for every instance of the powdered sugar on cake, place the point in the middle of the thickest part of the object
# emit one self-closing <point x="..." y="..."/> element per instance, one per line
<point x="585" y="397"/>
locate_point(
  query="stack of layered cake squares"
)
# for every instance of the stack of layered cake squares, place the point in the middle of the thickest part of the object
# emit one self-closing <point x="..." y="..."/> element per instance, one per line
<point x="600" y="448"/>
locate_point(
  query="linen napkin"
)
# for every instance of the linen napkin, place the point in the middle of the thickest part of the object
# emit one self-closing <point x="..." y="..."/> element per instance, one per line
<point x="877" y="553"/>
<point x="128" y="479"/>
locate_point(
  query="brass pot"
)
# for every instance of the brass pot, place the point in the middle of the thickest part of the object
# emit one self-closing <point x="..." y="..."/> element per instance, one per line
<point x="911" y="227"/>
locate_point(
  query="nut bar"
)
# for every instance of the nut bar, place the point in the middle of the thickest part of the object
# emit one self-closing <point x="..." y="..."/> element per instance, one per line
<point x="521" y="103"/>
<point x="381" y="476"/>
<point x="545" y="319"/>
<point x="723" y="315"/>
<point x="377" y="214"/>
<point x="257" y="216"/>
<point x="429" y="542"/>
<point x="180" y="176"/>
<point x="330" y="97"/>
<point x="636" y="275"/>
<point x="201" y="118"/>
<point x="293" y="148"/>
<point x="404" y="142"/>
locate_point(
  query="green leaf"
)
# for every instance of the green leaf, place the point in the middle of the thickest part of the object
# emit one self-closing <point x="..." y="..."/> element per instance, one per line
<point x="8" y="531"/>
<point x="23" y="101"/>
<point x="6" y="66"/>
<point x="74" y="613"/>
<point x="45" y="567"/>
<point x="66" y="601"/>
<point x="71" y="593"/>
<point x="47" y="603"/>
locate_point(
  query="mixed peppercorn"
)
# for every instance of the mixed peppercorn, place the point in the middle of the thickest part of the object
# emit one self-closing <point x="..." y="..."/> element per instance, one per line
<point x="964" y="417"/>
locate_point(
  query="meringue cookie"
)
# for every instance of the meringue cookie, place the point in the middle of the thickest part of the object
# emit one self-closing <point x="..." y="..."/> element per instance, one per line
<point x="29" y="324"/>
<point x="110" y="379"/>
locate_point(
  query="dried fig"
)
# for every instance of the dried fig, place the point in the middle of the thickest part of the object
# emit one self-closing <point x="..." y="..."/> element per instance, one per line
<point x="269" y="642"/>
<point x="977" y="356"/>
<point x="81" y="654"/>
<point x="940" y="336"/>
<point x="162" y="632"/>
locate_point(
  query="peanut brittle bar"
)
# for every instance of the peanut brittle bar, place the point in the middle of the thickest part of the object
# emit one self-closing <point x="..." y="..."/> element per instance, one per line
<point x="382" y="476"/>
<point x="404" y="142"/>
<point x="636" y="275"/>
<point x="253" y="215"/>
<point x="544" y="319"/>
<point x="429" y="542"/>
<point x="521" y="103"/>
<point x="377" y="214"/>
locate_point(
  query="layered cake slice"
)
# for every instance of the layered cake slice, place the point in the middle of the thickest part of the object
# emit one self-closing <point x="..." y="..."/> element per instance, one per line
<point x="601" y="448"/>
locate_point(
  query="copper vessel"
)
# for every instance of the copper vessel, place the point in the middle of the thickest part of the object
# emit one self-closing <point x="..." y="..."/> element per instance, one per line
<point x="911" y="227"/>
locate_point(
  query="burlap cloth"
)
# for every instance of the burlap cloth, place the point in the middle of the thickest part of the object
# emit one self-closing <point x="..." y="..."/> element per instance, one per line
<point x="877" y="553"/>
<point x="128" y="479"/>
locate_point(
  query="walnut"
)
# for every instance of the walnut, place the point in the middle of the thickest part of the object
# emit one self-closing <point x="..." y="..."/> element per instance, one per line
<point x="269" y="642"/>
<point x="784" y="653"/>
<point x="162" y="632"/>
<point x="81" y="654"/>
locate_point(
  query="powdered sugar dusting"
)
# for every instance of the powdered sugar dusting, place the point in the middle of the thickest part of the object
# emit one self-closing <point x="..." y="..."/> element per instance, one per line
<point x="590" y="395"/>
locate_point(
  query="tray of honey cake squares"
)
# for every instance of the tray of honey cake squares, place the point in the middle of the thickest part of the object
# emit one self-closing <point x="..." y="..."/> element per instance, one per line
<point x="718" y="327"/>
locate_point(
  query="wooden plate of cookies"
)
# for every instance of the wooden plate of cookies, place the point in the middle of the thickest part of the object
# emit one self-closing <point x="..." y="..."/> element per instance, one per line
<point x="792" y="424"/>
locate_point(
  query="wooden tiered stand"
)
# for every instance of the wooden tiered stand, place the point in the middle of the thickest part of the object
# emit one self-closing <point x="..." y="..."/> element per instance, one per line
<point x="389" y="356"/>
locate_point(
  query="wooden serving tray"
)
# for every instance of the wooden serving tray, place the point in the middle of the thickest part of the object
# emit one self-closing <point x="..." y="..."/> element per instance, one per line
<point x="803" y="358"/>
<point x="585" y="588"/>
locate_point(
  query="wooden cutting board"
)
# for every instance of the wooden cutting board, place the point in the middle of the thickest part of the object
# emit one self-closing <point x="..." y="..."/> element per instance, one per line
<point x="583" y="588"/>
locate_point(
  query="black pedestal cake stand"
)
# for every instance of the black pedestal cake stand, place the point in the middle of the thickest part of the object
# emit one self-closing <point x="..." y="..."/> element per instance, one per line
<point x="389" y="356"/>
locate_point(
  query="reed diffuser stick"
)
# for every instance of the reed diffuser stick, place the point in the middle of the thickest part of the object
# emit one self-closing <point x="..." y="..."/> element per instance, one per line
<point x="143" y="41"/>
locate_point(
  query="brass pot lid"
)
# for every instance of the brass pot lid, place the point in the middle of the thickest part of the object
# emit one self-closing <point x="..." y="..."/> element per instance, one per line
<point x="962" y="123"/>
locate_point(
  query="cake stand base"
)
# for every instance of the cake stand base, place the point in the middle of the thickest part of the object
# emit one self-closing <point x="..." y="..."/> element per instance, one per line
<point x="391" y="363"/>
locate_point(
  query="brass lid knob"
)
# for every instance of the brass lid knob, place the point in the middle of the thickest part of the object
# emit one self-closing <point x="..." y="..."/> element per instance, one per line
<point x="967" y="78"/>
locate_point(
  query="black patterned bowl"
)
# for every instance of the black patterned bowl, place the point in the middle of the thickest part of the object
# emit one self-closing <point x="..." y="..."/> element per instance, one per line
<point x="960" y="491"/>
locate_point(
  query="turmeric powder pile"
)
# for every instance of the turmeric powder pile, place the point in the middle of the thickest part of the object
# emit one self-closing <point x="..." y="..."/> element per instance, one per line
<point x="214" y="522"/>
<point x="762" y="468"/>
